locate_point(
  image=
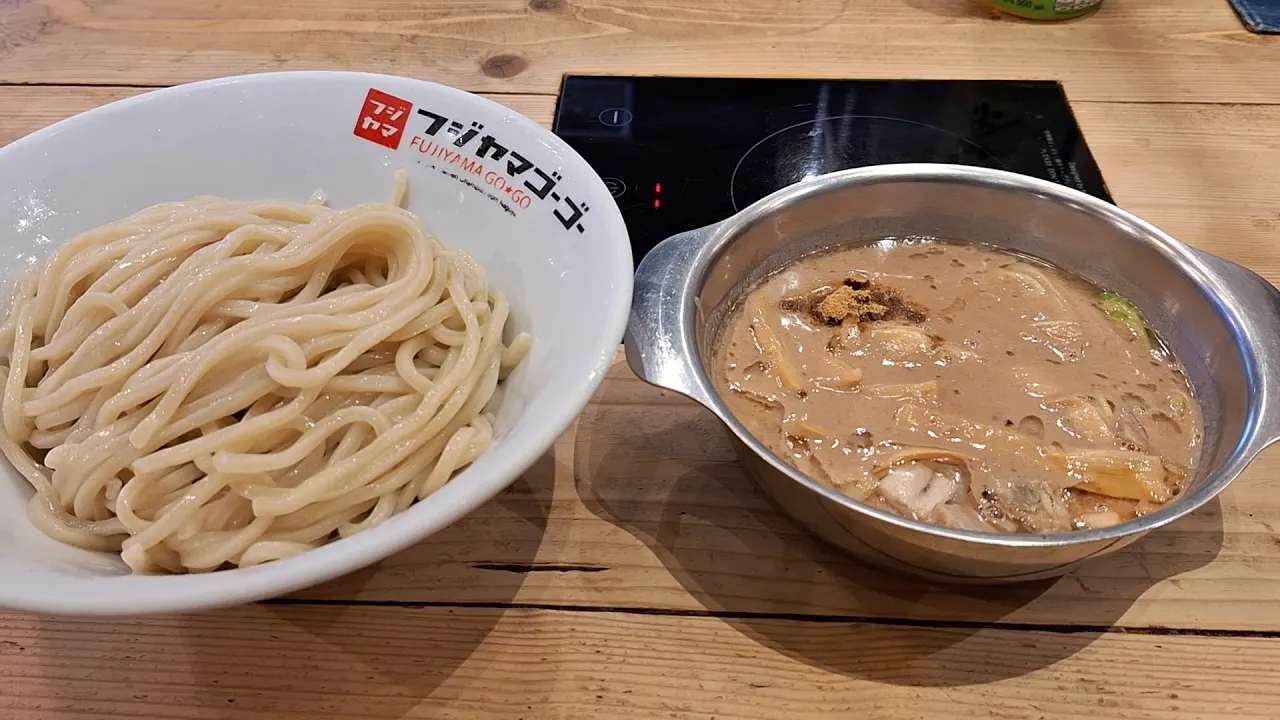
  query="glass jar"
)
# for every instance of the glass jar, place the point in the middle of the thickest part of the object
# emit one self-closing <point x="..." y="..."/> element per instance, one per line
<point x="1047" y="9"/>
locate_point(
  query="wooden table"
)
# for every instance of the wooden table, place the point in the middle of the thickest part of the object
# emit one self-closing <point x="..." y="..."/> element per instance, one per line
<point x="634" y="572"/>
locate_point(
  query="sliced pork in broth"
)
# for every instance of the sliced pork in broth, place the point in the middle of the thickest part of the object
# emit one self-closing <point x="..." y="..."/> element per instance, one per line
<point x="961" y="385"/>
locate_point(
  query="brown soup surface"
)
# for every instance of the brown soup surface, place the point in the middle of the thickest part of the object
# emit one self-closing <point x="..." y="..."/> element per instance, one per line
<point x="961" y="385"/>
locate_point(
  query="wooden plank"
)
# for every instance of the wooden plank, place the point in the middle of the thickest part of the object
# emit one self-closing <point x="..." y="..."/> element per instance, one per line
<point x="642" y="504"/>
<point x="361" y="662"/>
<point x="24" y="110"/>
<point x="1205" y="173"/>
<point x="1134" y="50"/>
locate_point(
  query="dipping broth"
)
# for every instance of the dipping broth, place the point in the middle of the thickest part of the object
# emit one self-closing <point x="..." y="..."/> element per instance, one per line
<point x="961" y="385"/>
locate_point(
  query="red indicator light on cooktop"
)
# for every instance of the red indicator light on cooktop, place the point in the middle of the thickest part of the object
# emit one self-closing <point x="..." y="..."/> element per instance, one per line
<point x="657" y="202"/>
<point x="657" y="188"/>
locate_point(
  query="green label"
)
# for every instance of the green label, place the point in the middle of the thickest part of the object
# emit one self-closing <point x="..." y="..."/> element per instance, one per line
<point x="1047" y="9"/>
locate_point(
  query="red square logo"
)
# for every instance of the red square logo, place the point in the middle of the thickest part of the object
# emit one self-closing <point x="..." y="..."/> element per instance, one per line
<point x="383" y="119"/>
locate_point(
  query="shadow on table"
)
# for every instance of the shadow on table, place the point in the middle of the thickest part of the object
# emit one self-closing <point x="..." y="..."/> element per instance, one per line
<point x="313" y="657"/>
<point x="508" y="531"/>
<point x="746" y="562"/>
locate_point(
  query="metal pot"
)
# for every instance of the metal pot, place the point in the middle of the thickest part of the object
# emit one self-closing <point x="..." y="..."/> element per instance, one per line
<point x="1221" y="320"/>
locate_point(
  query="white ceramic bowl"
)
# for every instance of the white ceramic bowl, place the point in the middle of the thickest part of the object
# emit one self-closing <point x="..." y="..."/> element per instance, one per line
<point x="563" y="260"/>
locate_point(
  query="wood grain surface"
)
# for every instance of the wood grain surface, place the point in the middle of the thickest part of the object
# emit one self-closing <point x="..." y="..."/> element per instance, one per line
<point x="634" y="572"/>
<point x="1133" y="50"/>
<point x="271" y="661"/>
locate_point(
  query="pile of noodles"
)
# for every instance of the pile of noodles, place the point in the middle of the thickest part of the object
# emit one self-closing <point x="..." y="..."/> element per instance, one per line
<point x="212" y="383"/>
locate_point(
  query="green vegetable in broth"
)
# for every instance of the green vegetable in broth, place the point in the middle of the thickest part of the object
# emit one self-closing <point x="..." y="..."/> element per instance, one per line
<point x="1118" y="307"/>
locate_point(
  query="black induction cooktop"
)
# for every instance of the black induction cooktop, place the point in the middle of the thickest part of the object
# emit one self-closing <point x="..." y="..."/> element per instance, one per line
<point x="680" y="153"/>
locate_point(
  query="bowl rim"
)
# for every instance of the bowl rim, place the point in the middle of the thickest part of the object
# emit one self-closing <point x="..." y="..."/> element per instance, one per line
<point x="132" y="595"/>
<point x="1196" y="265"/>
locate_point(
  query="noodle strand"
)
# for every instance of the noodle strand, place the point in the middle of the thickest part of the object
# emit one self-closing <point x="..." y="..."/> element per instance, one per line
<point x="214" y="383"/>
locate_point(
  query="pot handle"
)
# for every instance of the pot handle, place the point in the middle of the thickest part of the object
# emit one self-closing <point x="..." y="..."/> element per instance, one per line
<point x="660" y="339"/>
<point x="1261" y="303"/>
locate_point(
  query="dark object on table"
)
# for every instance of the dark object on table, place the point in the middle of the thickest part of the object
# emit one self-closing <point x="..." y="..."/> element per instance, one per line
<point x="679" y="153"/>
<point x="1259" y="16"/>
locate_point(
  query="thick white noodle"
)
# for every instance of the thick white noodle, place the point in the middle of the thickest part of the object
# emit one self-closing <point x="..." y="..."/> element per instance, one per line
<point x="213" y="383"/>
